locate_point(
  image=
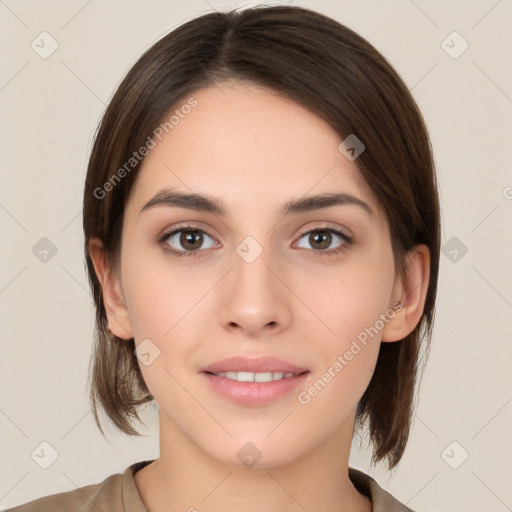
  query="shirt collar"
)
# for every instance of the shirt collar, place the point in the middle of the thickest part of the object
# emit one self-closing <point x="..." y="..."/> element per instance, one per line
<point x="131" y="500"/>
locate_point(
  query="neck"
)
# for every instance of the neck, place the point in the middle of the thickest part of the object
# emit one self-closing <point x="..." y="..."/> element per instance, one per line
<point x="187" y="478"/>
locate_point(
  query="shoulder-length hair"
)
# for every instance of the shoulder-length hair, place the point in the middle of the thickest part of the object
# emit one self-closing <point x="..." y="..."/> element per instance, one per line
<point x="338" y="75"/>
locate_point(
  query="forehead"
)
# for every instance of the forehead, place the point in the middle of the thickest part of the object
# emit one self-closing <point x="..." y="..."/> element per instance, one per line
<point x="250" y="146"/>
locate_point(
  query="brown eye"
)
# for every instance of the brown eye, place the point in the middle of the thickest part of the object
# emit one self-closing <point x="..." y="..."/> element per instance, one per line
<point x="186" y="240"/>
<point x="320" y="239"/>
<point x="191" y="240"/>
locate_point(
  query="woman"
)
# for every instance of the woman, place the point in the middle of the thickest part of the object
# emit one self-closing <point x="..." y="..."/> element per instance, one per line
<point x="261" y="227"/>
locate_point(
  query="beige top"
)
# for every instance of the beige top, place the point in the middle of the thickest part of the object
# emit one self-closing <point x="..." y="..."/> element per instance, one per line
<point x="118" y="493"/>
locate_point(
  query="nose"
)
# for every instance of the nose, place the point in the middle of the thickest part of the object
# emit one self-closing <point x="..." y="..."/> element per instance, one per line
<point x="255" y="300"/>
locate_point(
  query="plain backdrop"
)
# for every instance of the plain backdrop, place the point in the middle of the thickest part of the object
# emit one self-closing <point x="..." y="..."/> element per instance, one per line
<point x="455" y="58"/>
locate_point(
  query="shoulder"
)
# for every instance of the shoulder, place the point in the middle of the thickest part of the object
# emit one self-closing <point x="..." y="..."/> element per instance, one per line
<point x="105" y="495"/>
<point x="382" y="501"/>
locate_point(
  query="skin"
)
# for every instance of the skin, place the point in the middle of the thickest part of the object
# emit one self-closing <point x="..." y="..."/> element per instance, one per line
<point x="255" y="150"/>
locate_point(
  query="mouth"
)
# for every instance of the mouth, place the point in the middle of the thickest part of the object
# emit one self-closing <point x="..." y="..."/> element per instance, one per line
<point x="257" y="376"/>
<point x="254" y="383"/>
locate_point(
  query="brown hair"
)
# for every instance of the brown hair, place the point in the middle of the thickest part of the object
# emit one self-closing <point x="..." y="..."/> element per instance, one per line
<point x="339" y="76"/>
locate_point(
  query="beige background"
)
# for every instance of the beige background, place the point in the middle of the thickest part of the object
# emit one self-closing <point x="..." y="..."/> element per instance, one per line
<point x="51" y="107"/>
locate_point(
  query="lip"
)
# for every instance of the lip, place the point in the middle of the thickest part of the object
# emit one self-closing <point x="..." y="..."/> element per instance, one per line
<point x="255" y="365"/>
<point x="253" y="394"/>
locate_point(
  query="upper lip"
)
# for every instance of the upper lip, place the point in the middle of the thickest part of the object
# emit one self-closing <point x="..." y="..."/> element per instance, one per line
<point x="255" y="365"/>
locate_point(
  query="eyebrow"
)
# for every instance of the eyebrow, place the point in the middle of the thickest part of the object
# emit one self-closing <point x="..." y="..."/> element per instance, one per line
<point x="192" y="201"/>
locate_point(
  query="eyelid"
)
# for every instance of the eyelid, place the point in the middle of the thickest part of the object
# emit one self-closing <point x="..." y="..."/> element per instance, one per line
<point x="327" y="226"/>
<point x="302" y="231"/>
<point x="191" y="226"/>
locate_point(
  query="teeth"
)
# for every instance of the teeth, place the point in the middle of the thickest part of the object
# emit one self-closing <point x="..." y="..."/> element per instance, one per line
<point x="255" y="377"/>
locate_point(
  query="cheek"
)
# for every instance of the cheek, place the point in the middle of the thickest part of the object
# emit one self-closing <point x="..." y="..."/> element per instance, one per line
<point x="349" y="304"/>
<point x="348" y="300"/>
<point x="162" y="297"/>
<point x="165" y="306"/>
<point x="347" y="351"/>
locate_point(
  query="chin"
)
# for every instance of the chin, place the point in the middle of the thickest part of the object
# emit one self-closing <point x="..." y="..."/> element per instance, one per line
<point x="253" y="452"/>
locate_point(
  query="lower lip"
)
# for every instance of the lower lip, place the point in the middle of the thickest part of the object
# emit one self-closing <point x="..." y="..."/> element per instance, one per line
<point x="254" y="393"/>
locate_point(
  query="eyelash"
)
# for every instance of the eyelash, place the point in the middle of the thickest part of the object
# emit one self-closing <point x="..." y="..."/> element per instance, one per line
<point x="347" y="241"/>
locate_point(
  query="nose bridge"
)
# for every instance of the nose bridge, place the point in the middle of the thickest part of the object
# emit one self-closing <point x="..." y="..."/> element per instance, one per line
<point x="255" y="297"/>
<point x="252" y="277"/>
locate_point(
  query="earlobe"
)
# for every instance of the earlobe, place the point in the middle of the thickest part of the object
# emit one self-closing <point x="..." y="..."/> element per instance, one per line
<point x="410" y="292"/>
<point x="117" y="313"/>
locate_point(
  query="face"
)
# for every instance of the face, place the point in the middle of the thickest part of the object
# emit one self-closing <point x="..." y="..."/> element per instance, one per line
<point x="251" y="281"/>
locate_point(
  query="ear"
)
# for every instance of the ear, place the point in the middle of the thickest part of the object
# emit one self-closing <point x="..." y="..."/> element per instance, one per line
<point x="116" y="310"/>
<point x="410" y="292"/>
